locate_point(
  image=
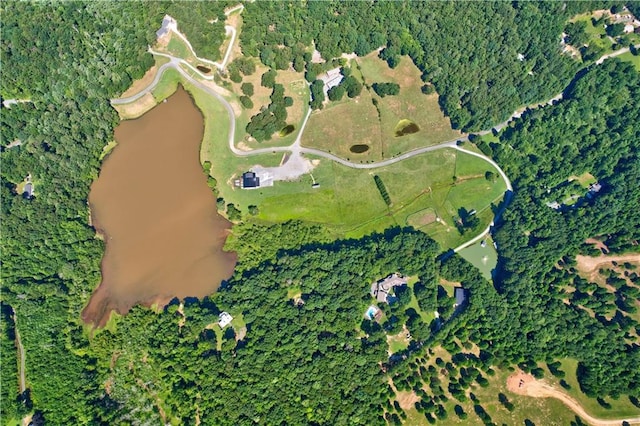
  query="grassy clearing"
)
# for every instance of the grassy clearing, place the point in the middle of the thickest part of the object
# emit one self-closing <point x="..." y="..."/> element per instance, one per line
<point x="621" y="407"/>
<point x="294" y="86"/>
<point x="167" y="85"/>
<point x="178" y="48"/>
<point x="356" y="121"/>
<point x="410" y="104"/>
<point x="398" y="342"/>
<point x="408" y="183"/>
<point x="541" y="411"/>
<point x="584" y="179"/>
<point x="427" y="317"/>
<point x="343" y="124"/>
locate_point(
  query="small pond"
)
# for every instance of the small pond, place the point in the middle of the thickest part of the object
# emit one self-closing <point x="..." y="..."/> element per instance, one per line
<point x="359" y="149"/>
<point x="406" y="127"/>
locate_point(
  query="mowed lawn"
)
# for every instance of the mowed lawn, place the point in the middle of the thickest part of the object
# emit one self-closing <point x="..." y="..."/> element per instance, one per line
<point x="410" y="104"/>
<point x="339" y="125"/>
<point x="349" y="203"/>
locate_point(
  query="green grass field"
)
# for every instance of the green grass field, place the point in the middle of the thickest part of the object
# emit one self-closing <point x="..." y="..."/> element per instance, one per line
<point x="345" y="123"/>
<point x="410" y="104"/>
<point x="620" y="407"/>
<point x="178" y="48"/>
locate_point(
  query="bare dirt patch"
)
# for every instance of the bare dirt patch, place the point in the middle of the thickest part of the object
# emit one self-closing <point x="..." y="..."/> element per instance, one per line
<point x="599" y="244"/>
<point x="422" y="218"/>
<point x="137" y="108"/>
<point x="525" y="384"/>
<point x="406" y="399"/>
<point x="588" y="265"/>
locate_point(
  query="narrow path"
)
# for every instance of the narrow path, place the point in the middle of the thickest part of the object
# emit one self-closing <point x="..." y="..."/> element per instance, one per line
<point x="526" y="384"/>
<point x="21" y="354"/>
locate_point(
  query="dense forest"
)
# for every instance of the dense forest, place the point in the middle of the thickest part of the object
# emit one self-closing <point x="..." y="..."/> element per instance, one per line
<point x="469" y="51"/>
<point x="311" y="358"/>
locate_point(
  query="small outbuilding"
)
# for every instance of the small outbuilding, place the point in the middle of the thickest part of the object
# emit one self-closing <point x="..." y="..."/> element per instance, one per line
<point x="461" y="296"/>
<point x="224" y="319"/>
<point x="28" y="190"/>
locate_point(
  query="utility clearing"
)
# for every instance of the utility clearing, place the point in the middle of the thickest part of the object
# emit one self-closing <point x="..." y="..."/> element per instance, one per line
<point x="525" y="384"/>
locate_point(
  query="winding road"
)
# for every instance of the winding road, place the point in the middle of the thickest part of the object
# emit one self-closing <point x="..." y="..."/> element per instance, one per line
<point x="297" y="150"/>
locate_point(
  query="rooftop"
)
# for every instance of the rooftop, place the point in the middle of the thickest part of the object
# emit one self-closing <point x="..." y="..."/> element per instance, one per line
<point x="460" y="295"/>
<point x="168" y="24"/>
<point x="224" y="319"/>
<point x="331" y="79"/>
<point x="250" y="180"/>
<point x="380" y="289"/>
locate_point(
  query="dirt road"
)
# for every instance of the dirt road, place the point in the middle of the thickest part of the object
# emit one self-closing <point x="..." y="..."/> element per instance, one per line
<point x="526" y="384"/>
<point x="588" y="264"/>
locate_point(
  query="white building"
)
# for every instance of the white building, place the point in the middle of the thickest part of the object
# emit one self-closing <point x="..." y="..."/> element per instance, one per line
<point x="224" y="319"/>
<point x="331" y="79"/>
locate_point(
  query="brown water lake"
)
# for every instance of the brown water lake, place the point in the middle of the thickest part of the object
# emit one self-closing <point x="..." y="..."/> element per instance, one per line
<point x="151" y="203"/>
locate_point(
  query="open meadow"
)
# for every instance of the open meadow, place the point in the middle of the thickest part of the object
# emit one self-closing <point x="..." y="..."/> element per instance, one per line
<point x="374" y="121"/>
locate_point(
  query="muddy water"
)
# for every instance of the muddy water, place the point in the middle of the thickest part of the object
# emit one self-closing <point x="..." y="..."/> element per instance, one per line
<point x="151" y="202"/>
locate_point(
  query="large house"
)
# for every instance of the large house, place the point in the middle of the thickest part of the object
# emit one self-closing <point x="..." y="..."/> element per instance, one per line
<point x="381" y="289"/>
<point x="168" y="24"/>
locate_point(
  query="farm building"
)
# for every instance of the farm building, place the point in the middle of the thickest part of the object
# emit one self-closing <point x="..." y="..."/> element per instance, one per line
<point x="331" y="79"/>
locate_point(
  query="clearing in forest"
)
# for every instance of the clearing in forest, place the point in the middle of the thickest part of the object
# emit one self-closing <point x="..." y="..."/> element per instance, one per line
<point x="525" y="384"/>
<point x="374" y="121"/>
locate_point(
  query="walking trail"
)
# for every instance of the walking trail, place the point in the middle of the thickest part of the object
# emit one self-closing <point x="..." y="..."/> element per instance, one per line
<point x="526" y="384"/>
